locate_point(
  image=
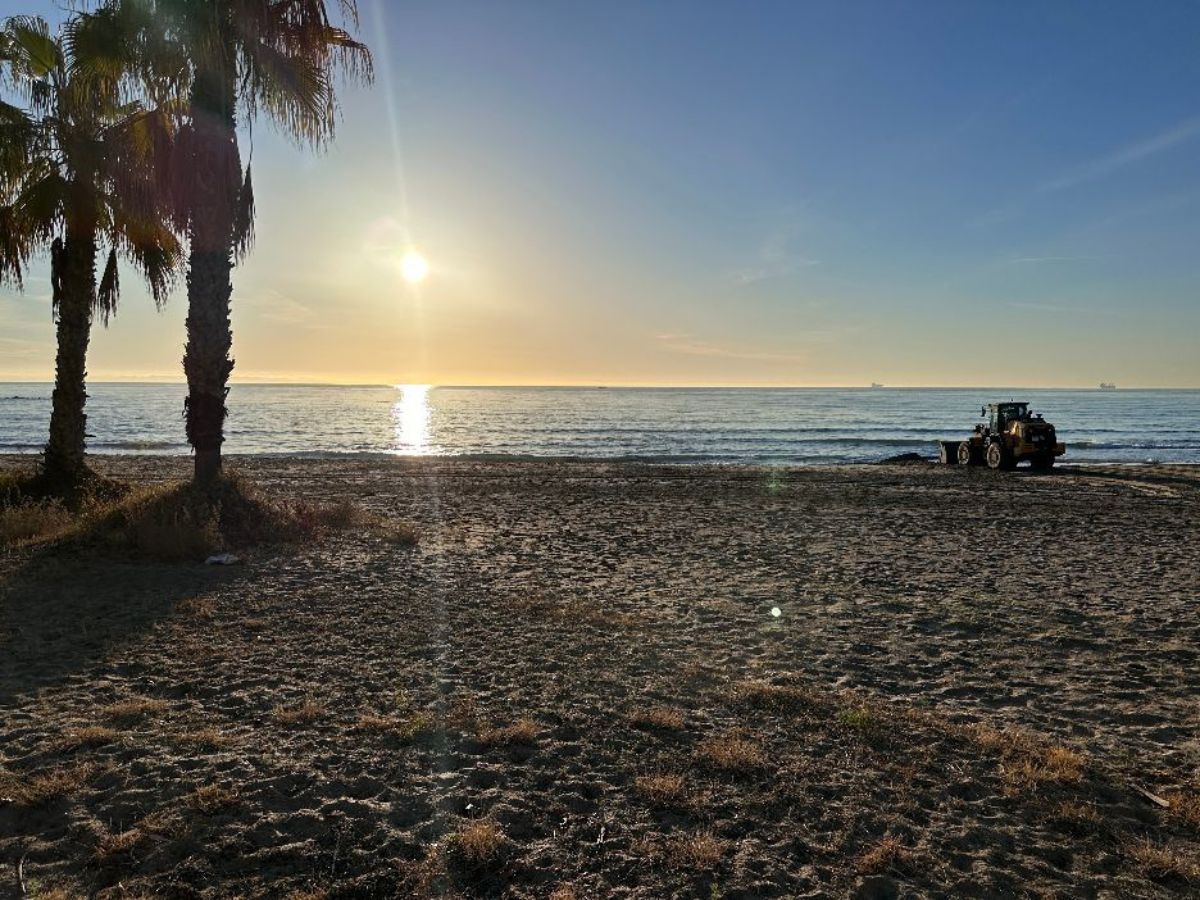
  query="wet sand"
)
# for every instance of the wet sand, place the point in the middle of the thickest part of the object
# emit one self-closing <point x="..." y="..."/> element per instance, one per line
<point x="576" y="686"/>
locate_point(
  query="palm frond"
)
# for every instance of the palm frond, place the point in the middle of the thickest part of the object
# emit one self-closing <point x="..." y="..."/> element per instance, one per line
<point x="289" y="56"/>
<point x="293" y="91"/>
<point x="243" y="223"/>
<point x="42" y="203"/>
<point x="14" y="249"/>
<point x="160" y="264"/>
<point x="127" y="46"/>
<point x="58" y="261"/>
<point x="30" y="47"/>
<point x="105" y="305"/>
<point x="18" y="135"/>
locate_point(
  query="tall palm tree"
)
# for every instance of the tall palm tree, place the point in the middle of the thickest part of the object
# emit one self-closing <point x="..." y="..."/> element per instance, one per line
<point x="229" y="60"/>
<point x="75" y="172"/>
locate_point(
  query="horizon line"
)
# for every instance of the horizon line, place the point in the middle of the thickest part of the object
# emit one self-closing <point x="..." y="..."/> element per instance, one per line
<point x="629" y="386"/>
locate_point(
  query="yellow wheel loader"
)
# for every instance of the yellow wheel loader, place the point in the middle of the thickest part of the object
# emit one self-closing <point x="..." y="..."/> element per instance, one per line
<point x="1011" y="435"/>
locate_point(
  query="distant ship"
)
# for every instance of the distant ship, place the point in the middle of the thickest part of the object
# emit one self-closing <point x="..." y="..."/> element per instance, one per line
<point x="1107" y="386"/>
<point x="876" y="384"/>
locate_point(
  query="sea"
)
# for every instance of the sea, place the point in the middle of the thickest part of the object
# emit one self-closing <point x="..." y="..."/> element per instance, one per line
<point x="775" y="426"/>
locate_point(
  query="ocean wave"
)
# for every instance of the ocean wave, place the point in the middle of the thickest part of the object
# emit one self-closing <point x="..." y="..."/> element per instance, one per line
<point x="1134" y="445"/>
<point x="145" y="446"/>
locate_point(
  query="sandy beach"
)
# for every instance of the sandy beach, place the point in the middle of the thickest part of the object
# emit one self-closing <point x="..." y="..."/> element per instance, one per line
<point x="593" y="680"/>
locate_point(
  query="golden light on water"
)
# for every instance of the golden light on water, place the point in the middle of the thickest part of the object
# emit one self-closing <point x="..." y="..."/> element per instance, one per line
<point x="411" y="415"/>
<point x="414" y="267"/>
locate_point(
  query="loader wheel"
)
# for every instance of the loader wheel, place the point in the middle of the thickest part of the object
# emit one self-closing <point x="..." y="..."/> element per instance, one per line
<point x="966" y="454"/>
<point x="999" y="458"/>
<point x="1043" y="462"/>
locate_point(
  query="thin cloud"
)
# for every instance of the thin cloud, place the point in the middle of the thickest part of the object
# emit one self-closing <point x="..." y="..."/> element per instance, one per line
<point x="1098" y="168"/>
<point x="274" y="306"/>
<point x="778" y="270"/>
<point x="1128" y="155"/>
<point x="776" y="257"/>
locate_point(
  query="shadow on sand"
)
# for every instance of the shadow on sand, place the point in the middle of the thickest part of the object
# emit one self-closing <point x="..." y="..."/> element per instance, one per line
<point x="61" y="614"/>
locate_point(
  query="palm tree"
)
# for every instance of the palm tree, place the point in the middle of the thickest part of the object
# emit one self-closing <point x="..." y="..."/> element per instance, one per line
<point x="74" y="172"/>
<point x="226" y="59"/>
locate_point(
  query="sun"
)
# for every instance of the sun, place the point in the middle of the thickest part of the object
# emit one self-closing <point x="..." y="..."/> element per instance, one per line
<point x="413" y="267"/>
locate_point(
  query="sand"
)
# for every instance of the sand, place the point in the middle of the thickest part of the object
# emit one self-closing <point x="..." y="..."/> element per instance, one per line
<point x="576" y="685"/>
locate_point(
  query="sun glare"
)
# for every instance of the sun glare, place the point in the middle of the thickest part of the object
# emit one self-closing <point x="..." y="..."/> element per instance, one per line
<point x="413" y="267"/>
<point x="411" y="417"/>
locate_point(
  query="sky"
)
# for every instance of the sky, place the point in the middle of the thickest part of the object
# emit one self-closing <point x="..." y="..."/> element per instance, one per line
<point x="724" y="193"/>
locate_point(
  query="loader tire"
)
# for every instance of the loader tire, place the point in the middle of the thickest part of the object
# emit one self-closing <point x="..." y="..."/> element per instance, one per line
<point x="967" y="455"/>
<point x="999" y="458"/>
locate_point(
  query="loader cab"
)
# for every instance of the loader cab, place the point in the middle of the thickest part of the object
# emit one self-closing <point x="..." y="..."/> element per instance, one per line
<point x="1001" y="415"/>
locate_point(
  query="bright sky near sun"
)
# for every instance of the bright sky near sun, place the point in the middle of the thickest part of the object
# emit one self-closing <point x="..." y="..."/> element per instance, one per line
<point x="832" y="193"/>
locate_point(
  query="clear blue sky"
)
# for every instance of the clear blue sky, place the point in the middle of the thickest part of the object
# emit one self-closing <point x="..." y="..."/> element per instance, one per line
<point x="733" y="193"/>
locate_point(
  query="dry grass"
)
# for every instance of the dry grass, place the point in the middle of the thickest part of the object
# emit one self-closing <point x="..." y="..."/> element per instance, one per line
<point x="30" y="521"/>
<point x="1076" y="817"/>
<point x="202" y="608"/>
<point x="1162" y="863"/>
<point x="463" y="712"/>
<point x="656" y="718"/>
<point x="134" y="709"/>
<point x="344" y="515"/>
<point x="86" y="738"/>
<point x="734" y="752"/>
<point x="1045" y="765"/>
<point x="305" y="712"/>
<point x="210" y="798"/>
<point x="863" y="720"/>
<point x="1184" y="808"/>
<point x="885" y="854"/>
<point x="699" y="852"/>
<point x="36" y="892"/>
<point x="575" y="611"/>
<point x="401" y="534"/>
<point x="778" y="697"/>
<point x="1028" y="763"/>
<point x="174" y="535"/>
<point x="46" y="787"/>
<point x="13" y="486"/>
<point x="179" y="522"/>
<point x="112" y="848"/>
<point x="663" y="790"/>
<point x="479" y="842"/>
<point x="522" y="732"/>
<point x="407" y="728"/>
<point x="200" y="739"/>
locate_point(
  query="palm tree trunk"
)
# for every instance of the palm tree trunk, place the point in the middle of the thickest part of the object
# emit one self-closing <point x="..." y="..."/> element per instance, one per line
<point x="206" y="360"/>
<point x="74" y="282"/>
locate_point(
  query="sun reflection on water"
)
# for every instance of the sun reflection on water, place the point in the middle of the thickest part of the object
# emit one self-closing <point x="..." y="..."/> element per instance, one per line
<point x="411" y="415"/>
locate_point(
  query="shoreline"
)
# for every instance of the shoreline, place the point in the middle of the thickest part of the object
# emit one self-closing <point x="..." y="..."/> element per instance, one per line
<point x="16" y="459"/>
